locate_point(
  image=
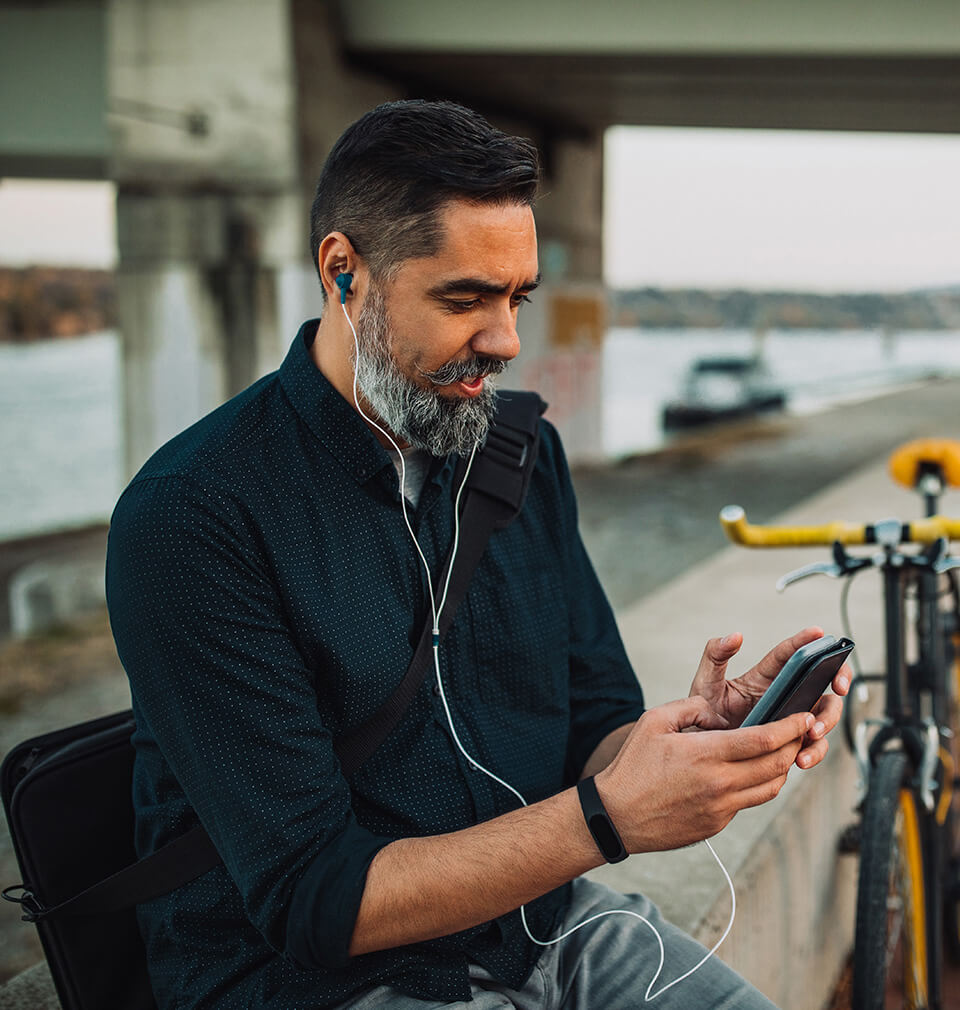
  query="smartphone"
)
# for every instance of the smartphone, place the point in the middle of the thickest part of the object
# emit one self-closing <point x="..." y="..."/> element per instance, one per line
<point x="804" y="677"/>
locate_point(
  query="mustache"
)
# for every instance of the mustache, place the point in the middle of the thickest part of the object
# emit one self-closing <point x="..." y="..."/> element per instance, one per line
<point x="475" y="367"/>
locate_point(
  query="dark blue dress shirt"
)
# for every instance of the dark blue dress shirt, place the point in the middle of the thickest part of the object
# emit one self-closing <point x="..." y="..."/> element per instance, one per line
<point x="266" y="597"/>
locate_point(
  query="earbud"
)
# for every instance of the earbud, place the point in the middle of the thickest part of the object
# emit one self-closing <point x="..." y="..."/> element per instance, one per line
<point x="343" y="282"/>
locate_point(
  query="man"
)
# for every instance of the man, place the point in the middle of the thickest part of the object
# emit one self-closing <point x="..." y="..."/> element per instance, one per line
<point x="266" y="595"/>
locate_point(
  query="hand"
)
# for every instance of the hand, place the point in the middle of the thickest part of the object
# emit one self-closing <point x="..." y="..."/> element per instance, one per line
<point x="733" y="699"/>
<point x="666" y="788"/>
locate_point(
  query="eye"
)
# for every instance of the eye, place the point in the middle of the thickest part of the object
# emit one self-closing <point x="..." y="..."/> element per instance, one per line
<point x="461" y="305"/>
<point x="518" y="300"/>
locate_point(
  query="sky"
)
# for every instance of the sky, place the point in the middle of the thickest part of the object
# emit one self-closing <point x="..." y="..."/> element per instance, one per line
<point x="48" y="222"/>
<point x="758" y="209"/>
<point x="767" y="209"/>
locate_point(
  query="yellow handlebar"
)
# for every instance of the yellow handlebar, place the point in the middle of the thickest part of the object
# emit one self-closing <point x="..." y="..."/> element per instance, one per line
<point x="925" y="531"/>
<point x="734" y="521"/>
<point x="740" y="531"/>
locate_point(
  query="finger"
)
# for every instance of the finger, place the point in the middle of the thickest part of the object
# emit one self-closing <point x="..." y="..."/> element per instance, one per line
<point x="843" y="680"/>
<point x="813" y="754"/>
<point x="755" y="796"/>
<point x="717" y="653"/>
<point x="773" y="661"/>
<point x="827" y="712"/>
<point x="756" y="741"/>
<point x="744" y="776"/>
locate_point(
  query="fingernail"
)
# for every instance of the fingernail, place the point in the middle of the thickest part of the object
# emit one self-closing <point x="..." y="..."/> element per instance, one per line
<point x="818" y="729"/>
<point x="805" y="761"/>
<point x="810" y="721"/>
<point x="727" y="640"/>
<point x="843" y="683"/>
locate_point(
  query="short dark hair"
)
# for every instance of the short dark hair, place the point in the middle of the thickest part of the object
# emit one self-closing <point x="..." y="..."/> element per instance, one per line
<point x="390" y="173"/>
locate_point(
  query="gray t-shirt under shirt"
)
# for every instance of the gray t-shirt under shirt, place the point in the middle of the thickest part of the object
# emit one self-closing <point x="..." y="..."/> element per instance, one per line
<point x="417" y="463"/>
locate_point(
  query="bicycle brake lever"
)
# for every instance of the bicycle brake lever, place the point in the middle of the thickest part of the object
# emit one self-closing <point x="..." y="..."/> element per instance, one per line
<point x="834" y="571"/>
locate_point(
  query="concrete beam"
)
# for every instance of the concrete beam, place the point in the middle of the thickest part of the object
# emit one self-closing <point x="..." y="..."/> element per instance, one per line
<point x="656" y="26"/>
<point x="575" y="93"/>
<point x="52" y="79"/>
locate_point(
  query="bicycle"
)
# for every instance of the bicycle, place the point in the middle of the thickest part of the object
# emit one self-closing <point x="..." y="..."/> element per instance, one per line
<point x="908" y="835"/>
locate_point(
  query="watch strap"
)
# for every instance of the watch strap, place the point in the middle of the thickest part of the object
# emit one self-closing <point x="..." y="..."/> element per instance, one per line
<point x="598" y="822"/>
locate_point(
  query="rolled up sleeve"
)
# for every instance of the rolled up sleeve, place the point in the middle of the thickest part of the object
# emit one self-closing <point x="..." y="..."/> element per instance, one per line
<point x="225" y="700"/>
<point x="604" y="691"/>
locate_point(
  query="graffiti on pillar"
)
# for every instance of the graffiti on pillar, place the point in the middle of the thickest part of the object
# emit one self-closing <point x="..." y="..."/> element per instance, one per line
<point x="566" y="365"/>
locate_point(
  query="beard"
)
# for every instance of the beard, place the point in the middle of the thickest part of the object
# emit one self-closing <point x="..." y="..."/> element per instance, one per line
<point x="438" y="424"/>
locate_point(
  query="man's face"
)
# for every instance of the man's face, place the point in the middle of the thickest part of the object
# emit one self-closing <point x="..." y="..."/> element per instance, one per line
<point x="434" y="333"/>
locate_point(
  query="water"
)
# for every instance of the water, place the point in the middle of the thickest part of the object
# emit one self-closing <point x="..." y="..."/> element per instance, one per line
<point x="60" y="424"/>
<point x="60" y="414"/>
<point x="643" y="369"/>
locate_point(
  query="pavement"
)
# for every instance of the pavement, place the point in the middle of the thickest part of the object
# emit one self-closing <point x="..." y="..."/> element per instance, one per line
<point x="650" y="524"/>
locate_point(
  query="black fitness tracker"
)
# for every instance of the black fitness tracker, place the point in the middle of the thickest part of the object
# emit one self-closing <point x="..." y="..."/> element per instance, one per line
<point x="598" y="821"/>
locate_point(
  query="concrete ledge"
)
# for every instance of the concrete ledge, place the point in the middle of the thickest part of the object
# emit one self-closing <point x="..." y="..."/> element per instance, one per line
<point x="31" y="990"/>
<point x="795" y="893"/>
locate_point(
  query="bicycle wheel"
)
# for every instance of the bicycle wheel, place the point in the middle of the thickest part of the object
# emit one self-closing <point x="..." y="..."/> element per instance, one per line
<point x="890" y="950"/>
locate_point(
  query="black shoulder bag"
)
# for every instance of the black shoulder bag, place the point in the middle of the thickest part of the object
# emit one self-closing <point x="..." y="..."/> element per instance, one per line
<point x="67" y="794"/>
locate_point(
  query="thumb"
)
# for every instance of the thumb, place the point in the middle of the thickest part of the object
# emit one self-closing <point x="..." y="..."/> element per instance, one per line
<point x="695" y="711"/>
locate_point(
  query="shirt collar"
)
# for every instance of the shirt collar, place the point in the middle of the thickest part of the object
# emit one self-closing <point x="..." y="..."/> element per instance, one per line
<point x="326" y="413"/>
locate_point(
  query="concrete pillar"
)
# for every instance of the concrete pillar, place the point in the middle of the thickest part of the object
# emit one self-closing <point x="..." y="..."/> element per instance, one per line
<point x="210" y="289"/>
<point x="563" y="332"/>
<point x="213" y="272"/>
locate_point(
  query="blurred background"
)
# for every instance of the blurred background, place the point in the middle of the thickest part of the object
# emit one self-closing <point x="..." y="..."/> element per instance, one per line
<point x="748" y="237"/>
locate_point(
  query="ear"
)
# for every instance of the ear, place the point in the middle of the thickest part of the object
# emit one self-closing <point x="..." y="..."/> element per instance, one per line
<point x="336" y="256"/>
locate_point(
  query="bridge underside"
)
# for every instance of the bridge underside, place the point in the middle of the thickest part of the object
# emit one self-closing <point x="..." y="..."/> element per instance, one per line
<point x="214" y="140"/>
<point x="575" y="93"/>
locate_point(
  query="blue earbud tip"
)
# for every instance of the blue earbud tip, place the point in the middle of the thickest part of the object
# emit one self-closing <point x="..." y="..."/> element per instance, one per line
<point x="343" y="283"/>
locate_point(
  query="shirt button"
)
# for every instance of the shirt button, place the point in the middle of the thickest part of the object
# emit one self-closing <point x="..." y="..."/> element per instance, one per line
<point x="472" y="766"/>
<point x="436" y="688"/>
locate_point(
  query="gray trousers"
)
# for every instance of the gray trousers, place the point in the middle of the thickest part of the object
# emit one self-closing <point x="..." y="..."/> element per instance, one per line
<point x="607" y="965"/>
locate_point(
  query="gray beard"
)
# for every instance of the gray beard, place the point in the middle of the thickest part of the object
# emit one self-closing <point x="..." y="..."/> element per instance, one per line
<point x="414" y="414"/>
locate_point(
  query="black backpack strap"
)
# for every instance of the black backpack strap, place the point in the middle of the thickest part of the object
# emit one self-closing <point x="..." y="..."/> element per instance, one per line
<point x="493" y="497"/>
<point x="178" y="862"/>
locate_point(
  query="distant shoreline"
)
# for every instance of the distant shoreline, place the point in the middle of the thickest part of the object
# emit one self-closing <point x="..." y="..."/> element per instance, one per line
<point x="695" y="308"/>
<point x="42" y="303"/>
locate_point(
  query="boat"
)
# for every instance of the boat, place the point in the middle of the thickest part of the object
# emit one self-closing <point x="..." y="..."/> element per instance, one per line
<point x="723" y="389"/>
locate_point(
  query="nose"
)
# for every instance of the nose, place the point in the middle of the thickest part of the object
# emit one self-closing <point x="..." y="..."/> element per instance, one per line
<point x="499" y="337"/>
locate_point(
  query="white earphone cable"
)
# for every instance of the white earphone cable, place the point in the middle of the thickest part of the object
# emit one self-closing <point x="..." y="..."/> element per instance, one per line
<point x="436" y="611"/>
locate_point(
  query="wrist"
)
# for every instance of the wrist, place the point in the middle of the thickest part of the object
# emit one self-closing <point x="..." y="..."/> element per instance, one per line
<point x="599" y="823"/>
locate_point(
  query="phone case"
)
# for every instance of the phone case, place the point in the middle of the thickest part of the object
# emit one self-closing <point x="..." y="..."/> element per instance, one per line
<point x="804" y="677"/>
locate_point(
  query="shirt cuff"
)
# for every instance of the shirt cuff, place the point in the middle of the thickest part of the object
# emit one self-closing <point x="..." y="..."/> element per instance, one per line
<point x="582" y="746"/>
<point x="326" y="900"/>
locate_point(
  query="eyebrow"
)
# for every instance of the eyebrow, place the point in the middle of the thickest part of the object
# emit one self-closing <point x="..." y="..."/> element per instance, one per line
<point x="478" y="286"/>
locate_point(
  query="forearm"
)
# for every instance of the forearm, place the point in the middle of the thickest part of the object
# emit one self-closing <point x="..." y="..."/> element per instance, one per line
<point x="421" y="888"/>
<point x="606" y="750"/>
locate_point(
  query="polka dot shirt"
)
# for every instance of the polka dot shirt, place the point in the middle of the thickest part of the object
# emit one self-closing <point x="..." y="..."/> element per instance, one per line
<point x="266" y="597"/>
